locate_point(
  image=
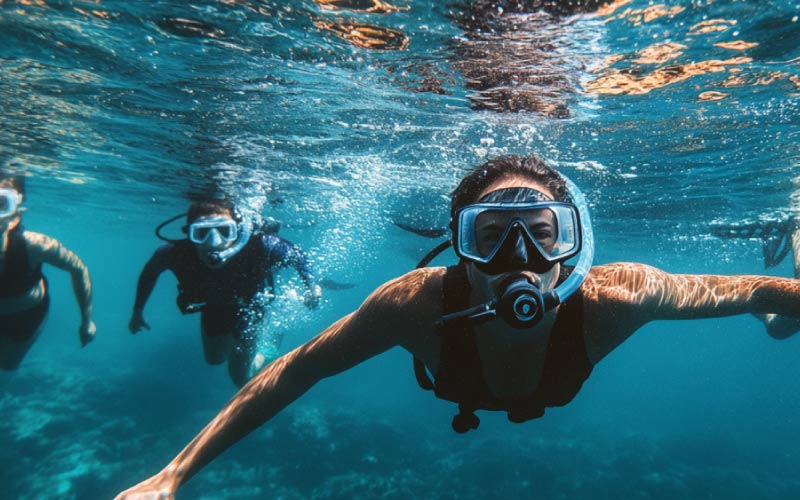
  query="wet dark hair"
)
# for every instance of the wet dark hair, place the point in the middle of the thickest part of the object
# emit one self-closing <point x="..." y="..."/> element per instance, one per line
<point x="483" y="175"/>
<point x="214" y="207"/>
<point x="16" y="182"/>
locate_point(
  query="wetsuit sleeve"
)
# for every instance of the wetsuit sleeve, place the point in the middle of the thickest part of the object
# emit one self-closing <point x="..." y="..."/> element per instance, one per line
<point x="283" y="253"/>
<point x="158" y="263"/>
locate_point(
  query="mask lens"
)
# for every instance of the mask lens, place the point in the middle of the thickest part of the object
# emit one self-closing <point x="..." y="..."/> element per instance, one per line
<point x="202" y="231"/>
<point x="491" y="227"/>
<point x="199" y="234"/>
<point x="225" y="232"/>
<point x="552" y="227"/>
<point x="9" y="200"/>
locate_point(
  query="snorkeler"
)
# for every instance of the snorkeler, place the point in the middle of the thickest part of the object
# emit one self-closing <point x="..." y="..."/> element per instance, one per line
<point x="779" y="237"/>
<point x="24" y="291"/>
<point x="508" y="329"/>
<point x="225" y="272"/>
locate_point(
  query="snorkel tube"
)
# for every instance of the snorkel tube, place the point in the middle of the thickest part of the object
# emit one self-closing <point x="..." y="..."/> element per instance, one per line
<point x="165" y="224"/>
<point x="521" y="303"/>
<point x="570" y="285"/>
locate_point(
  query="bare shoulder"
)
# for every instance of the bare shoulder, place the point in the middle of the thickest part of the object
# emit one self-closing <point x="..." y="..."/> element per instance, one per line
<point x="617" y="301"/>
<point x="407" y="306"/>
<point x="401" y="312"/>
<point x="39" y="245"/>
<point x="37" y="240"/>
<point x="413" y="293"/>
<point x="619" y="282"/>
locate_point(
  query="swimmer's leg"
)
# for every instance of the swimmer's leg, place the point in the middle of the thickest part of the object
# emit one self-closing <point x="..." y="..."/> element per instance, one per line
<point x="783" y="327"/>
<point x="216" y="325"/>
<point x="251" y="352"/>
<point x="240" y="363"/>
<point x="779" y="327"/>
<point x="18" y="332"/>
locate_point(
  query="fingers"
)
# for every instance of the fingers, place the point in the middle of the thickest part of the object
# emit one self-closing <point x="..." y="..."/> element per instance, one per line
<point x="86" y="333"/>
<point x="137" y="324"/>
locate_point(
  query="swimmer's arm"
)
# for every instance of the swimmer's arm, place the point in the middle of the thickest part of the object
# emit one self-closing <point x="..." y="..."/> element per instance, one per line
<point x="287" y="254"/>
<point x="623" y="297"/>
<point x="157" y="264"/>
<point x="47" y="250"/>
<point x="374" y="328"/>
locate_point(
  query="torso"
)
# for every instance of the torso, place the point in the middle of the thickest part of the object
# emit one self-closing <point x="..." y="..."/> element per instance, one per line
<point x="510" y="370"/>
<point x="236" y="282"/>
<point x="23" y="285"/>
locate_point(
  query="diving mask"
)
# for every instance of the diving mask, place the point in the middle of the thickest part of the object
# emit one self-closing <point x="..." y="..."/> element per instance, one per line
<point x="517" y="229"/>
<point x="525" y="230"/>
<point x="10" y="200"/>
<point x="213" y="231"/>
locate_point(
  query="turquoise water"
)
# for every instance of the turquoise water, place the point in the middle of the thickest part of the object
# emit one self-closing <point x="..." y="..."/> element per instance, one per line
<point x="121" y="112"/>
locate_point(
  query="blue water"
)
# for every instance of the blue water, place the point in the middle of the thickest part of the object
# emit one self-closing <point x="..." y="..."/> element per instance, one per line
<point x="119" y="114"/>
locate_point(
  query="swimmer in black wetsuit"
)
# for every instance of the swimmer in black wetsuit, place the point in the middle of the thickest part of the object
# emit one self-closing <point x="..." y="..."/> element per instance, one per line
<point x="24" y="294"/>
<point x="224" y="271"/>
<point x="510" y="328"/>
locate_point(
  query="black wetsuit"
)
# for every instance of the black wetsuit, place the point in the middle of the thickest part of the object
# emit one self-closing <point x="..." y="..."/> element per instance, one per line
<point x="460" y="374"/>
<point x="17" y="279"/>
<point x="223" y="295"/>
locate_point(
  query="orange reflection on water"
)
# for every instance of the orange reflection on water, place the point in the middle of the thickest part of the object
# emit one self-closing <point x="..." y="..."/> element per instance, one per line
<point x="610" y="8"/>
<point x="659" y="53"/>
<point x="711" y="26"/>
<point x="617" y="82"/>
<point x="737" y="45"/>
<point x="712" y="96"/>
<point x="368" y="36"/>
<point x="96" y="13"/>
<point x="752" y="79"/>
<point x="638" y="16"/>
<point x="374" y="6"/>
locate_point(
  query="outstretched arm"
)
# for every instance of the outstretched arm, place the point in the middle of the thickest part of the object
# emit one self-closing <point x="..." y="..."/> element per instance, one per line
<point x="287" y="254"/>
<point x="42" y="248"/>
<point x="376" y="326"/>
<point x="157" y="264"/>
<point x="623" y="297"/>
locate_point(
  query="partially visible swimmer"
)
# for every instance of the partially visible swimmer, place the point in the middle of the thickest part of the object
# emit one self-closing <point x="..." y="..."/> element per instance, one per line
<point x="779" y="238"/>
<point x="24" y="291"/>
<point x="509" y="328"/>
<point x="224" y="270"/>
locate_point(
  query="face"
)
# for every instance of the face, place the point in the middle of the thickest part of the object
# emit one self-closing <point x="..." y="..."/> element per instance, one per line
<point x="489" y="230"/>
<point x="212" y="233"/>
<point x="9" y="214"/>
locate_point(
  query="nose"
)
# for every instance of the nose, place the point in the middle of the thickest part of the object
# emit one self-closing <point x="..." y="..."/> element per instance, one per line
<point x="520" y="255"/>
<point x="214" y="238"/>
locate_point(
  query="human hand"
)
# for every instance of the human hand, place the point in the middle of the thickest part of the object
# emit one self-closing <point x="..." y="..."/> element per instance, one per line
<point x="137" y="322"/>
<point x="779" y="327"/>
<point x="86" y="332"/>
<point x="312" y="297"/>
<point x="154" y="488"/>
